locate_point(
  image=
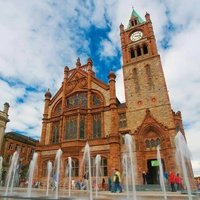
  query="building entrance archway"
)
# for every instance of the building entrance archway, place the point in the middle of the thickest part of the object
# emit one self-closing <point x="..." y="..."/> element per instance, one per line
<point x="153" y="173"/>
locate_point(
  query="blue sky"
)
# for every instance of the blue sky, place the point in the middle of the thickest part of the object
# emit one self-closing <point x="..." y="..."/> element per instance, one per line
<point x="39" y="38"/>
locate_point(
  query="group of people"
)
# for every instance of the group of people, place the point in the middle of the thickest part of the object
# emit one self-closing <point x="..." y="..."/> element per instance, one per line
<point x="175" y="181"/>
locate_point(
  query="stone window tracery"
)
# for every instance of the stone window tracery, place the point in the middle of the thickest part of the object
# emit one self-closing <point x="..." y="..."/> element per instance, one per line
<point x="152" y="143"/>
<point x="77" y="100"/>
<point x="75" y="127"/>
<point x="71" y="128"/>
<point x="96" y="100"/>
<point x="55" y="135"/>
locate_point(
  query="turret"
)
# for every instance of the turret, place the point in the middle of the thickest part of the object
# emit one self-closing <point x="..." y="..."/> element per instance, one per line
<point x="112" y="78"/>
<point x="147" y="17"/>
<point x="6" y="107"/>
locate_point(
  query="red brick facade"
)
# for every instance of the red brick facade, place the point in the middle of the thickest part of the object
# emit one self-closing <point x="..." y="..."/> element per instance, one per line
<point x="85" y="109"/>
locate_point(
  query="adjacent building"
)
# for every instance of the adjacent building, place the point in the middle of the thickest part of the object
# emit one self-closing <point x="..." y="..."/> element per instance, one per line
<point x="3" y="122"/>
<point x="85" y="109"/>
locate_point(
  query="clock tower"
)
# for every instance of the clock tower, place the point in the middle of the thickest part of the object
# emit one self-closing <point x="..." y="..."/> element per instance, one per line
<point x="150" y="119"/>
<point x="145" y="86"/>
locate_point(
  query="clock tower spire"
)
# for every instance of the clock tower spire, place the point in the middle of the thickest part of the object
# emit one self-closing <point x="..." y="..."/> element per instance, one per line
<point x="138" y="39"/>
<point x="145" y="86"/>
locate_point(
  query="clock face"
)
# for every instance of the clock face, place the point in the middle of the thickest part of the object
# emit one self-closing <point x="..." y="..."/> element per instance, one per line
<point x="136" y="36"/>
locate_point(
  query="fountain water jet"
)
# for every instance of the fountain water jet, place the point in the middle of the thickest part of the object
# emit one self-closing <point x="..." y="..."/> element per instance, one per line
<point x="161" y="176"/>
<point x="98" y="171"/>
<point x="87" y="160"/>
<point x="125" y="172"/>
<point x="69" y="172"/>
<point x="183" y="155"/>
<point x="11" y="173"/>
<point x="57" y="171"/>
<point x="31" y="171"/>
<point x="49" y="170"/>
<point x="129" y="145"/>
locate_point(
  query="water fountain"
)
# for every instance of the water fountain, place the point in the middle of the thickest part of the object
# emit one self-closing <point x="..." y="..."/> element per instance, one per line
<point x="31" y="173"/>
<point x="161" y="174"/>
<point x="49" y="171"/>
<point x="125" y="173"/>
<point x="57" y="171"/>
<point x="98" y="171"/>
<point x="183" y="155"/>
<point x="87" y="161"/>
<point x="130" y="159"/>
<point x="69" y="167"/>
<point x="11" y="173"/>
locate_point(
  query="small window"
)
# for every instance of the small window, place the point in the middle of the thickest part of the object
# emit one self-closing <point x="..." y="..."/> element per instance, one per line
<point x="132" y="52"/>
<point x="135" y="21"/>
<point x="138" y="51"/>
<point x="145" y="49"/>
<point x="147" y="144"/>
<point x="132" y="23"/>
<point x="122" y="120"/>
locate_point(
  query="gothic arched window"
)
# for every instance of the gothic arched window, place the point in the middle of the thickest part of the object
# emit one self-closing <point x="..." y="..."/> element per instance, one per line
<point x="132" y="52"/>
<point x="138" y="51"/>
<point x="97" y="125"/>
<point x="147" y="144"/>
<point x="153" y="143"/>
<point x="71" y="128"/>
<point x="96" y="100"/>
<point x="77" y="100"/>
<point x="157" y="141"/>
<point x="104" y="166"/>
<point x="55" y="135"/>
<point x="82" y="127"/>
<point x="145" y="49"/>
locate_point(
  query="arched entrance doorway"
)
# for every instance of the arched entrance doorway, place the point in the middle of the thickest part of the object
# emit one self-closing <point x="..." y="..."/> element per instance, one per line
<point x="153" y="173"/>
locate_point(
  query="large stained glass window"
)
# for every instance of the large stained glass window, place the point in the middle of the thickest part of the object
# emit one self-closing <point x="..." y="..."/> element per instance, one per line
<point x="97" y="125"/>
<point x="55" y="135"/>
<point x="77" y="100"/>
<point x="71" y="128"/>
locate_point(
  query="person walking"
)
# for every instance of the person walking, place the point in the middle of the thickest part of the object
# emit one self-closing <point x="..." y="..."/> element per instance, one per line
<point x="172" y="181"/>
<point x="117" y="181"/>
<point x="178" y="182"/>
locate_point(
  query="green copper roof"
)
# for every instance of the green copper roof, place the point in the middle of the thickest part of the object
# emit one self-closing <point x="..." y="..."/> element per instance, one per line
<point x="135" y="14"/>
